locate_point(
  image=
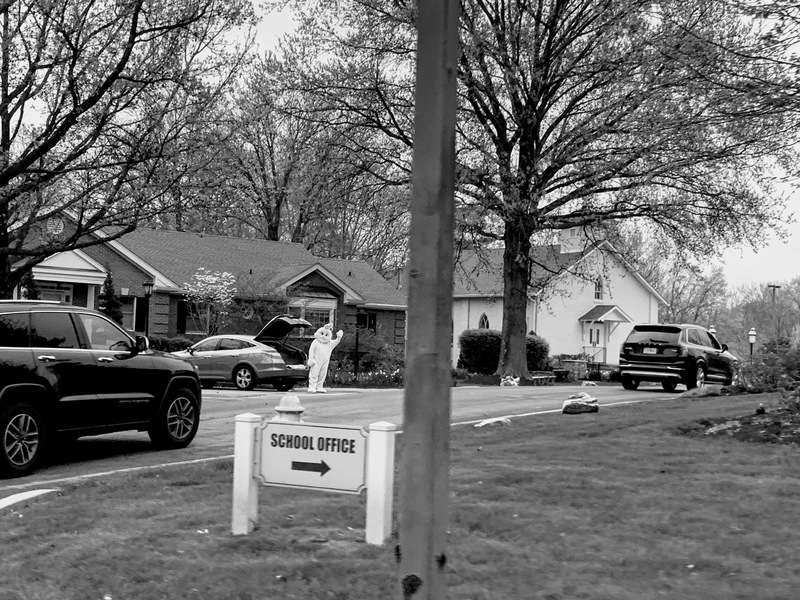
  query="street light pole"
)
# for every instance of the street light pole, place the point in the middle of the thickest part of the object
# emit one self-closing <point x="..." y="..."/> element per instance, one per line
<point x="751" y="337"/>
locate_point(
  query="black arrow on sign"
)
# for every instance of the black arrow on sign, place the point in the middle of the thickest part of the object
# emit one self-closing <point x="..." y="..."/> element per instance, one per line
<point x="321" y="467"/>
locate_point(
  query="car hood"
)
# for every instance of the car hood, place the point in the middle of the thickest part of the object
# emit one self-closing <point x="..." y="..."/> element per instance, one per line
<point x="280" y="327"/>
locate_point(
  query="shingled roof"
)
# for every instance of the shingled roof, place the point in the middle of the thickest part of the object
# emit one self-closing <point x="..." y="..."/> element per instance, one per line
<point x="177" y="255"/>
<point x="480" y="274"/>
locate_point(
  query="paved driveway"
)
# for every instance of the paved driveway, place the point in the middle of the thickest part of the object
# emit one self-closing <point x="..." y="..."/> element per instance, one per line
<point x="93" y="457"/>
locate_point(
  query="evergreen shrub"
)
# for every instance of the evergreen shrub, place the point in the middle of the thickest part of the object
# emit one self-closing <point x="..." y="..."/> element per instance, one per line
<point x="166" y="344"/>
<point x="480" y="351"/>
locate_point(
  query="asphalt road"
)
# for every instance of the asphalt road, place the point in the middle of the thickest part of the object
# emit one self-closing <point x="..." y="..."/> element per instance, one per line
<point x="95" y="457"/>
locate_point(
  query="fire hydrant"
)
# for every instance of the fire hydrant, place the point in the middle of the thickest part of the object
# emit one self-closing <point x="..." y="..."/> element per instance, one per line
<point x="289" y="409"/>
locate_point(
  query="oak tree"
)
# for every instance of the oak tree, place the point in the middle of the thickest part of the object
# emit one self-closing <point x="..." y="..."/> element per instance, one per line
<point x="578" y="113"/>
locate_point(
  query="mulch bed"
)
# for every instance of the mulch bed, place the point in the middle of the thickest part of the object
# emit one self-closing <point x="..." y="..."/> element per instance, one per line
<point x="776" y="426"/>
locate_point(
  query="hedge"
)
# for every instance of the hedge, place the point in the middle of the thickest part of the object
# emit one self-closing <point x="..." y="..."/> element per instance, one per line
<point x="480" y="351"/>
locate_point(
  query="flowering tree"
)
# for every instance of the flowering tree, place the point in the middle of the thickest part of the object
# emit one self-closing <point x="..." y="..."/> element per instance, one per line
<point x="209" y="294"/>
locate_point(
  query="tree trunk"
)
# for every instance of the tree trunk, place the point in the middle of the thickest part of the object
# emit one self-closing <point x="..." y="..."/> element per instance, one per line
<point x="516" y="273"/>
<point x="6" y="285"/>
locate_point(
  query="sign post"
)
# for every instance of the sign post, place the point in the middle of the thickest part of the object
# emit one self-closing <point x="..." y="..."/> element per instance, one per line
<point x="335" y="458"/>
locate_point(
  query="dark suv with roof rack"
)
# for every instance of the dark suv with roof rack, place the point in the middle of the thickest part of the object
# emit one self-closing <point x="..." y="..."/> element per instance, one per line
<point x="68" y="372"/>
<point x="673" y="354"/>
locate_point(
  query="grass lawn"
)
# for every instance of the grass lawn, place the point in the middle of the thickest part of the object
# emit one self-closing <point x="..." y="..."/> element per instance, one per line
<point x="614" y="505"/>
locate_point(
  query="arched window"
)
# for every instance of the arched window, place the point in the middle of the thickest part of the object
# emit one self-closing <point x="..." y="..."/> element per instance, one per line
<point x="483" y="323"/>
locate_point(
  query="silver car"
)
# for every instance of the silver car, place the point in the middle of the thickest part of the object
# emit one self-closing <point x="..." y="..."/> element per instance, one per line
<point x="248" y="360"/>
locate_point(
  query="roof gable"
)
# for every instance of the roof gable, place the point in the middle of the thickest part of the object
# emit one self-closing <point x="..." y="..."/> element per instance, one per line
<point x="480" y="274"/>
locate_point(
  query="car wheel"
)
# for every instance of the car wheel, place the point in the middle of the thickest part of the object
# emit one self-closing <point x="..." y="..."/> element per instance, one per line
<point x="629" y="383"/>
<point x="669" y="386"/>
<point x="177" y="421"/>
<point x="244" y="378"/>
<point x="283" y="386"/>
<point x="22" y="433"/>
<point x="699" y="379"/>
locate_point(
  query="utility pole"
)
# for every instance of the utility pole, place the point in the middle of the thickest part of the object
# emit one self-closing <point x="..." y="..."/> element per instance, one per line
<point x="425" y="460"/>
<point x="774" y="287"/>
<point x="774" y="313"/>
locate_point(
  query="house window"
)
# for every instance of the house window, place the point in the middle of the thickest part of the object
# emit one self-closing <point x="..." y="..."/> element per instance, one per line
<point x="316" y="312"/>
<point x="367" y="320"/>
<point x="598" y="290"/>
<point x="574" y="232"/>
<point x="128" y="308"/>
<point x="483" y="323"/>
<point x="60" y="292"/>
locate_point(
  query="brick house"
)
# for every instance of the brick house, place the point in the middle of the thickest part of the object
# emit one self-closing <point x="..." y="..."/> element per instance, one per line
<point x="271" y="278"/>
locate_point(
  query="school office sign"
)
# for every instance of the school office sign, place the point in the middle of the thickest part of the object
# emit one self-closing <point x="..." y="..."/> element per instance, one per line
<point x="311" y="455"/>
<point x="337" y="458"/>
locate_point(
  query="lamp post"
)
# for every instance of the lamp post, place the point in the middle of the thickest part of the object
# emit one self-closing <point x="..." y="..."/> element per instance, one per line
<point x="148" y="291"/>
<point x="751" y="337"/>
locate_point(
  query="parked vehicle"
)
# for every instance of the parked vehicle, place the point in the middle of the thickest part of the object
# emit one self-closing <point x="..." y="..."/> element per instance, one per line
<point x="68" y="372"/>
<point x="673" y="354"/>
<point x="248" y="360"/>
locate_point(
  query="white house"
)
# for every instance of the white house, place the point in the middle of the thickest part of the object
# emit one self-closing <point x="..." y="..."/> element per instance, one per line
<point x="581" y="301"/>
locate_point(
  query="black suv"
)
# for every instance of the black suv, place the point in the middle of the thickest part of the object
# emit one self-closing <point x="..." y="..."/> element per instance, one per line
<point x="67" y="372"/>
<point x="674" y="354"/>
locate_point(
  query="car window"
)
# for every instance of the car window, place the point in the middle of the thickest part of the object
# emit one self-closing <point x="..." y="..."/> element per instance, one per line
<point x="53" y="330"/>
<point x="714" y="342"/>
<point x="693" y="336"/>
<point x="233" y="344"/>
<point x="705" y="340"/>
<point x="205" y="345"/>
<point x="14" y="330"/>
<point x="654" y="334"/>
<point x="103" y="334"/>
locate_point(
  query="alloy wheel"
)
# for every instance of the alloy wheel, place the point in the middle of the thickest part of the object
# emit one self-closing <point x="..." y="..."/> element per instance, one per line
<point x="181" y="417"/>
<point x="21" y="439"/>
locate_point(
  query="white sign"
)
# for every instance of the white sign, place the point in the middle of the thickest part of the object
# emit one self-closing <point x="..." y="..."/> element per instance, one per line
<point x="310" y="455"/>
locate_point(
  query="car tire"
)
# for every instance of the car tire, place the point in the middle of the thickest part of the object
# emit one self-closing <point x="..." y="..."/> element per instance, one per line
<point x="177" y="421"/>
<point x="23" y="438"/>
<point x="669" y="386"/>
<point x="629" y="383"/>
<point x="699" y="379"/>
<point x="244" y="378"/>
<point x="283" y="386"/>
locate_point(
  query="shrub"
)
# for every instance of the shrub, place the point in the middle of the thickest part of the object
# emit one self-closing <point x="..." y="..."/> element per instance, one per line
<point x="775" y="366"/>
<point x="480" y="351"/>
<point x="165" y="344"/>
<point x="536" y="352"/>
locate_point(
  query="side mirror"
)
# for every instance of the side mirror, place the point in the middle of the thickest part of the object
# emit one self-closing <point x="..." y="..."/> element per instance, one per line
<point x="142" y="343"/>
<point x="724" y="347"/>
<point x="190" y="349"/>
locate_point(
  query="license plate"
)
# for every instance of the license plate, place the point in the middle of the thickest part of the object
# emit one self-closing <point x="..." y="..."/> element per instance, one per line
<point x="650" y="350"/>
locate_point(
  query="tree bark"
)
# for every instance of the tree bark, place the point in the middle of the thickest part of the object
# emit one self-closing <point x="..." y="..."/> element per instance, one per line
<point x="516" y="275"/>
